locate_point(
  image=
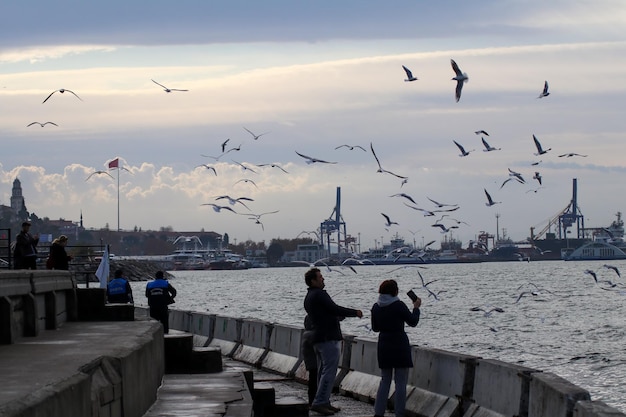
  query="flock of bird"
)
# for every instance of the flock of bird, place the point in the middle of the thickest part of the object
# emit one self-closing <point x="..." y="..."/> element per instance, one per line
<point x="460" y="78"/>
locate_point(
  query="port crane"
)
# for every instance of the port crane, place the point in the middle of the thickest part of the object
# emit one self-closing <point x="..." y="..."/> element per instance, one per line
<point x="565" y="219"/>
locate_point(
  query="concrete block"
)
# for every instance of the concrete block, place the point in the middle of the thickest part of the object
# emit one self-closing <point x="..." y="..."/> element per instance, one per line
<point x="119" y="312"/>
<point x="425" y="403"/>
<point x="177" y="348"/>
<point x="226" y="347"/>
<point x="551" y="395"/>
<point x="255" y="333"/>
<point x="286" y="340"/>
<point x="502" y="387"/>
<point x="206" y="360"/>
<point x="364" y="356"/>
<point x="361" y="385"/>
<point x="248" y="354"/>
<point x="280" y="363"/>
<point x="474" y="410"/>
<point x="595" y="409"/>
<point x="263" y="397"/>
<point x="290" y="407"/>
<point x="90" y="303"/>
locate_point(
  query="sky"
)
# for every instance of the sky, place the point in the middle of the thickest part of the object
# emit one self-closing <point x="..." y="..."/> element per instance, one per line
<point x="310" y="77"/>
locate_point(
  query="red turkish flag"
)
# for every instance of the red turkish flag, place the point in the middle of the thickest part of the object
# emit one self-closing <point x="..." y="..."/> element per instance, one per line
<point x="114" y="163"/>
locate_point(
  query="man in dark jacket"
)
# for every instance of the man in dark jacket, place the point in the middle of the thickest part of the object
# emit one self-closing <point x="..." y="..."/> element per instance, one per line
<point x="160" y="294"/>
<point x="25" y="254"/>
<point x="325" y="316"/>
<point x="119" y="290"/>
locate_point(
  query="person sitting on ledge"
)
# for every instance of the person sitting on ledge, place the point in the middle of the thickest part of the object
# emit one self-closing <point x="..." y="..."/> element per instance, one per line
<point x="119" y="290"/>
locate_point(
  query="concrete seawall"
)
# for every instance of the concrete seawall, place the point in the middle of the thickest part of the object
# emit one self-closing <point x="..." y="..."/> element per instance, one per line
<point x="442" y="383"/>
<point x="53" y="365"/>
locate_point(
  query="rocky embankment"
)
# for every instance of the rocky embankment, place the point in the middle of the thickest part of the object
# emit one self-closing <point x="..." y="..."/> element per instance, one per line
<point x="133" y="270"/>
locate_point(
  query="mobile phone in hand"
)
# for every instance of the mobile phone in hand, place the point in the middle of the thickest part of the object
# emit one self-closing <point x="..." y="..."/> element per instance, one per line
<point x="412" y="295"/>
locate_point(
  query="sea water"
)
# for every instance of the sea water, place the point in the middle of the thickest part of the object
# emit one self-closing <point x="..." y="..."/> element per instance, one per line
<point x="566" y="323"/>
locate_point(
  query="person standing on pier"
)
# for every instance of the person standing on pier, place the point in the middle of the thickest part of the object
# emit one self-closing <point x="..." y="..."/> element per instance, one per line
<point x="160" y="294"/>
<point x="394" y="350"/>
<point x="59" y="259"/>
<point x="25" y="253"/>
<point x="309" y="357"/>
<point x="119" y="290"/>
<point x="325" y="316"/>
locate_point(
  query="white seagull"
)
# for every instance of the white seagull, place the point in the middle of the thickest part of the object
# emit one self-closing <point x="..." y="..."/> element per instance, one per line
<point x="537" y="177"/>
<point x="443" y="228"/>
<point x="409" y="74"/>
<point x="351" y="147"/>
<point x="224" y="144"/>
<point x="614" y="268"/>
<point x="246" y="180"/>
<point x="233" y="201"/>
<point x="41" y="124"/>
<point x="488" y="148"/>
<point x="380" y="168"/>
<point x="218" y="208"/>
<point x="273" y="166"/>
<point x="61" y="90"/>
<point x="540" y="150"/>
<point x="481" y="132"/>
<point x="389" y="222"/>
<point x="209" y="167"/>
<point x="490" y="201"/>
<point x="245" y="168"/>
<point x="310" y="160"/>
<point x="460" y="79"/>
<point x="98" y="172"/>
<point x="168" y="90"/>
<point x="545" y="92"/>
<point x="255" y="137"/>
<point x="462" y="149"/>
<point x="569" y="155"/>
<point x="487" y="310"/>
<point x="440" y="205"/>
<point x="408" y="197"/>
<point x="516" y="175"/>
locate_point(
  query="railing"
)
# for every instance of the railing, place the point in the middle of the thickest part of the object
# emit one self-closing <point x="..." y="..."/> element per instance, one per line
<point x="6" y="260"/>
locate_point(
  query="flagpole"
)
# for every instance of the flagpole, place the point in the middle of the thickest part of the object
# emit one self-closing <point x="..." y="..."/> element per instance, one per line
<point x="118" y="198"/>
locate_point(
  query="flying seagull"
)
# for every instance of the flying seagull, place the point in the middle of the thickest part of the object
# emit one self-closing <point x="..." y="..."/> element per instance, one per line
<point x="232" y="201"/>
<point x="168" y="90"/>
<point x="511" y="179"/>
<point x="246" y="180"/>
<point x="409" y="74"/>
<point x="488" y="148"/>
<point x="380" y="168"/>
<point x="61" y="90"/>
<point x="209" y="167"/>
<point x="487" y="310"/>
<point x="443" y="228"/>
<point x="218" y="208"/>
<point x="224" y="144"/>
<point x="516" y="175"/>
<point x="440" y="205"/>
<point x="310" y="160"/>
<point x="540" y="150"/>
<point x="42" y="124"/>
<point x="98" y="172"/>
<point x="462" y="149"/>
<point x="537" y="177"/>
<point x="614" y="268"/>
<point x="460" y="79"/>
<point x="545" y="92"/>
<point x="389" y="222"/>
<point x="408" y="197"/>
<point x="255" y="137"/>
<point x="481" y="132"/>
<point x="351" y="147"/>
<point x="273" y="166"/>
<point x="245" y="168"/>
<point x="490" y="201"/>
<point x="569" y="155"/>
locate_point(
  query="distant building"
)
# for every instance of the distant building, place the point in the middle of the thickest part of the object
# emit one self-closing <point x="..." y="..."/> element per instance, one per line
<point x="17" y="200"/>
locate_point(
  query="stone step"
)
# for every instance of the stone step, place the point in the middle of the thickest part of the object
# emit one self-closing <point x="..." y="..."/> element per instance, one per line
<point x="290" y="407"/>
<point x="263" y="398"/>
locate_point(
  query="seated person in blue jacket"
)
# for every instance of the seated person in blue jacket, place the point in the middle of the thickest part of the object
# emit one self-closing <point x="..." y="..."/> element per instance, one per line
<point x="160" y="294"/>
<point x="119" y="290"/>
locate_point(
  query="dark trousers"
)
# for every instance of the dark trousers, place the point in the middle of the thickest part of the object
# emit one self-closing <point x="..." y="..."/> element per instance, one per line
<point x="161" y="314"/>
<point x="312" y="385"/>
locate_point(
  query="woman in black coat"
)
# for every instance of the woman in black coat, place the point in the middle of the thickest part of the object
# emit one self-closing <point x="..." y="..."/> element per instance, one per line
<point x="394" y="350"/>
<point x="59" y="259"/>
